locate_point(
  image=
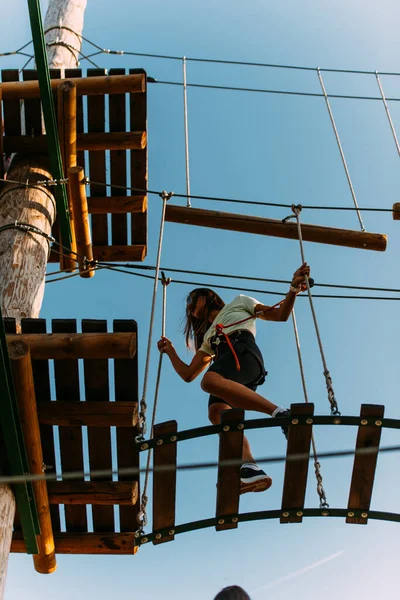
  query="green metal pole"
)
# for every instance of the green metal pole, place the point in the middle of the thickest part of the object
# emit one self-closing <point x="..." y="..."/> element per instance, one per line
<point x="50" y="119"/>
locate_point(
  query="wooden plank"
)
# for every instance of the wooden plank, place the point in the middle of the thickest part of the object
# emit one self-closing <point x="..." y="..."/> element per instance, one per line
<point x="88" y="543"/>
<point x="164" y="482"/>
<point x="99" y="438"/>
<point x="118" y="205"/>
<point x="37" y="144"/>
<point x="364" y="466"/>
<point x="138" y="162"/>
<point x="134" y="253"/>
<point x="2" y="157"/>
<point x="11" y="107"/>
<point x="76" y="73"/>
<point x="94" y="414"/>
<point x="41" y="378"/>
<point x="117" y="118"/>
<point x="296" y="471"/>
<point x="86" y="86"/>
<point x="260" y="226"/>
<point x="228" y="486"/>
<point x="32" y="112"/>
<point x="71" y="444"/>
<point x="79" y="345"/>
<point x="127" y="388"/>
<point x="97" y="161"/>
<point x="396" y="211"/>
<point x="93" y="492"/>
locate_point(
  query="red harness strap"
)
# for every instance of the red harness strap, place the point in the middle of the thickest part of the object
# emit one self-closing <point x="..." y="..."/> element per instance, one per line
<point x="219" y="329"/>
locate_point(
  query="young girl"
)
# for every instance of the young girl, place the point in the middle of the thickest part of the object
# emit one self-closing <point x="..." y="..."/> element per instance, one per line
<point x="224" y="335"/>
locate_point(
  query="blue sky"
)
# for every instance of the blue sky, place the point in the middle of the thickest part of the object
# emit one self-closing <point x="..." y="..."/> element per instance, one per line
<point x="271" y="148"/>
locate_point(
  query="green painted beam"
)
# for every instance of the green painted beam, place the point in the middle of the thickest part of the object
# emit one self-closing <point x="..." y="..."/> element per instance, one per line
<point x="50" y="119"/>
<point x="11" y="430"/>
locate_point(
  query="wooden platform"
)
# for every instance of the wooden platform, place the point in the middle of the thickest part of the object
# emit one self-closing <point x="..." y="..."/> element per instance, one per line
<point x="111" y="147"/>
<point x="92" y="394"/>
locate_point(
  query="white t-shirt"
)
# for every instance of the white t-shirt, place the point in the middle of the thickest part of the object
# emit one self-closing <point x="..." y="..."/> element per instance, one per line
<point x="240" y="308"/>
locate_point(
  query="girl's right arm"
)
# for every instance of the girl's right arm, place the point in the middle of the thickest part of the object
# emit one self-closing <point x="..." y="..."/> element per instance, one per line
<point x="200" y="361"/>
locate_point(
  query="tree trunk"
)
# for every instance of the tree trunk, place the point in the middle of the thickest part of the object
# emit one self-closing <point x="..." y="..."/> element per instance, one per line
<point x="23" y="256"/>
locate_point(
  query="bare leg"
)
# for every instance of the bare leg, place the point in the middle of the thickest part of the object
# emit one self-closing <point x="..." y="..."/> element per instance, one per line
<point x="214" y="414"/>
<point x="236" y="394"/>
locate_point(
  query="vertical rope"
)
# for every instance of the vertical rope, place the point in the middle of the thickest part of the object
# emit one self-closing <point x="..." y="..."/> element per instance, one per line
<point x="143" y="405"/>
<point x="323" y="503"/>
<point x="340" y="149"/>
<point x="328" y="380"/>
<point x="142" y="515"/>
<point x="387" y="112"/>
<point x="185" y="116"/>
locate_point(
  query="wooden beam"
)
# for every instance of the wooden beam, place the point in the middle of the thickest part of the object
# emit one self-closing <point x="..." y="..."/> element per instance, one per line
<point x="117" y="205"/>
<point x="228" y="486"/>
<point x="86" y="543"/>
<point x="93" y="492"/>
<point x="164" y="483"/>
<point x="1" y="145"/>
<point x="79" y="204"/>
<point x="261" y="226"/>
<point x="45" y="561"/>
<point x="90" y="414"/>
<point x="85" y="86"/>
<point x="78" y="345"/>
<point x="134" y="253"/>
<point x="67" y="136"/>
<point x="124" y="140"/>
<point x="396" y="211"/>
<point x="364" y="466"/>
<point x="296" y="471"/>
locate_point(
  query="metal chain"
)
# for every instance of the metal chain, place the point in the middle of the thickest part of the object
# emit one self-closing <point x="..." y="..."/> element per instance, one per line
<point x="323" y="502"/>
<point x="328" y="380"/>
<point x="143" y="405"/>
<point x="142" y="515"/>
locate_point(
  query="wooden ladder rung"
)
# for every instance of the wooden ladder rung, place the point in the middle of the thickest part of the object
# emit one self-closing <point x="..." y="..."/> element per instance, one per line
<point x="364" y="466"/>
<point x="296" y="471"/>
<point x="228" y="486"/>
<point x="91" y="414"/>
<point x="164" y="482"/>
<point x="105" y="493"/>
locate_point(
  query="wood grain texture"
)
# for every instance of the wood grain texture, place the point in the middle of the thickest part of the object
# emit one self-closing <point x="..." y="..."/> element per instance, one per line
<point x="94" y="414"/>
<point x="89" y="543"/>
<point x="228" y="486"/>
<point x="364" y="466"/>
<point x="257" y="225"/>
<point x="93" y="492"/>
<point x="164" y="482"/>
<point x="139" y="163"/>
<point x="296" y="472"/>
<point x="7" y="512"/>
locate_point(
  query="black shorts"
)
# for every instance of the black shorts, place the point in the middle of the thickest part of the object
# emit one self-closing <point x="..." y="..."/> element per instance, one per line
<point x="252" y="371"/>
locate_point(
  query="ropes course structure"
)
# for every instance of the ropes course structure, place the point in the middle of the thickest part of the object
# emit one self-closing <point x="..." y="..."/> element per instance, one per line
<point x="96" y="250"/>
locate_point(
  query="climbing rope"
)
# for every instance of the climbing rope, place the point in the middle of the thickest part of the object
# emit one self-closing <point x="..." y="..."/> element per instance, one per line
<point x="328" y="380"/>
<point x="142" y="515"/>
<point x="143" y="405"/>
<point x="323" y="503"/>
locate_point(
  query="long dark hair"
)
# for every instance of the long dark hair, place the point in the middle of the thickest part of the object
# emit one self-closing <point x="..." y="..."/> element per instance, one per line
<point x="233" y="592"/>
<point x="194" y="327"/>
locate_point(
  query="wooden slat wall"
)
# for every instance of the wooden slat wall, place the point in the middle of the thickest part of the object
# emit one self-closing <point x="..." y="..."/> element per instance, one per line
<point x="126" y="389"/>
<point x="362" y="481"/>
<point x="117" y="115"/>
<point x="99" y="438"/>
<point x="295" y="482"/>
<point x="97" y="161"/>
<point x="11" y="108"/>
<point x="71" y="446"/>
<point x="228" y="486"/>
<point x="164" y="482"/>
<point x="41" y="377"/>
<point x="138" y="122"/>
